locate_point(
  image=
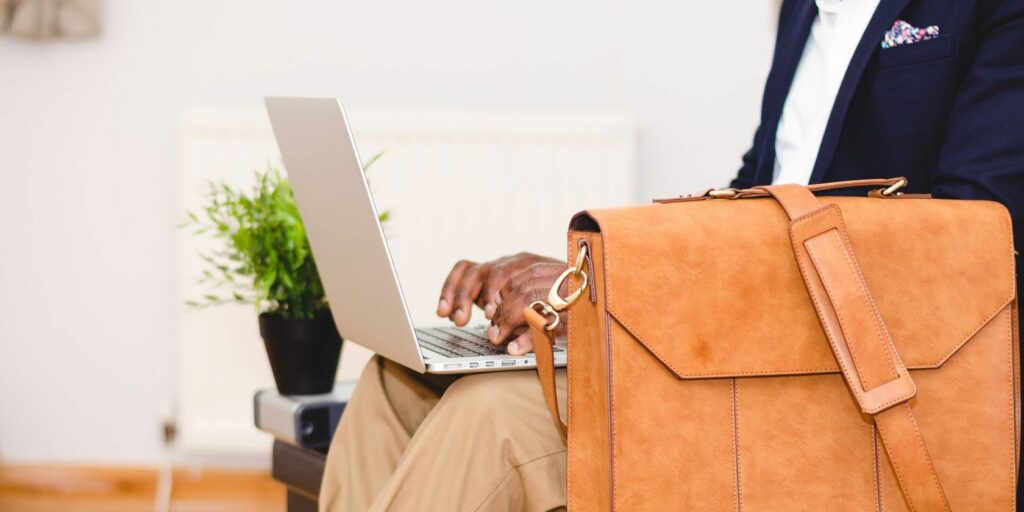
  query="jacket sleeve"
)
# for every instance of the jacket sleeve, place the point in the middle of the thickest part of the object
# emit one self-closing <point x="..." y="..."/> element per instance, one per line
<point x="745" y="178"/>
<point x="982" y="156"/>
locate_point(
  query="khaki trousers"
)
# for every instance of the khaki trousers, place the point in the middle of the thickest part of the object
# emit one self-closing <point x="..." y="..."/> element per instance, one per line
<point x="477" y="442"/>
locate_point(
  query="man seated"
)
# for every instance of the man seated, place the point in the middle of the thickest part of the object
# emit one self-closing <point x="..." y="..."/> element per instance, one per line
<point x="933" y="91"/>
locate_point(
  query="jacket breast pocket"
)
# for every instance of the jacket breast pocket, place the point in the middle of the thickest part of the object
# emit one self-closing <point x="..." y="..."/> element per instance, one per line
<point x="916" y="53"/>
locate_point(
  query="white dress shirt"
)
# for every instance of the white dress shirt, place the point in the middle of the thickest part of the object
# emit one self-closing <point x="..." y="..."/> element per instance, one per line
<point x="834" y="36"/>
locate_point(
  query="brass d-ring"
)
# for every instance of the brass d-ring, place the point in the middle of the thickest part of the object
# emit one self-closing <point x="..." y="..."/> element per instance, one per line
<point x="581" y="258"/>
<point x="891" y="189"/>
<point x="723" y="193"/>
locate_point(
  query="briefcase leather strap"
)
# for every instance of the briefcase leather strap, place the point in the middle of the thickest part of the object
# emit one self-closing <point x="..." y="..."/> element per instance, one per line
<point x="870" y="365"/>
<point x="859" y="339"/>
<point x="543" y="350"/>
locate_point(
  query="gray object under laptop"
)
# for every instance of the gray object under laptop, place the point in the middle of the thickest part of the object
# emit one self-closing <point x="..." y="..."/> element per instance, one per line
<point x="307" y="421"/>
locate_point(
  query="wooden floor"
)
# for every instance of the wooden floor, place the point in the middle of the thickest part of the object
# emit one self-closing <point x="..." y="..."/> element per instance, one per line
<point x="52" y="488"/>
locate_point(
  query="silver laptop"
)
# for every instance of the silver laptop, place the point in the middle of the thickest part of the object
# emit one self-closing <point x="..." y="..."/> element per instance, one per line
<point x="352" y="254"/>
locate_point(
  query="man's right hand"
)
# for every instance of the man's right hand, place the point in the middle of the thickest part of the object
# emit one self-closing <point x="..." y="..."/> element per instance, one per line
<point x="480" y="283"/>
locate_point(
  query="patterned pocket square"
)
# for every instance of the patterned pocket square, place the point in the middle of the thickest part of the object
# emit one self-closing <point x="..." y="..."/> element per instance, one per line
<point x="903" y="33"/>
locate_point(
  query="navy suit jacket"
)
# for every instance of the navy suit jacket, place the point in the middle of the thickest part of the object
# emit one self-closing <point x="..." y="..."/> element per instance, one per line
<point x="947" y="113"/>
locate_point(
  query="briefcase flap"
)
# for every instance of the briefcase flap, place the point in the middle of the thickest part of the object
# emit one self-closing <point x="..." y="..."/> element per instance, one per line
<point x="712" y="288"/>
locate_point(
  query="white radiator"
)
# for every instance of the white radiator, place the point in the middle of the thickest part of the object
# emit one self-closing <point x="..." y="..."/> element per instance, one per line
<point x="474" y="185"/>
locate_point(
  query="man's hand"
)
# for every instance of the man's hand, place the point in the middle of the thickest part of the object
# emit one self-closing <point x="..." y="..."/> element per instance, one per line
<point x="527" y="286"/>
<point x="502" y="288"/>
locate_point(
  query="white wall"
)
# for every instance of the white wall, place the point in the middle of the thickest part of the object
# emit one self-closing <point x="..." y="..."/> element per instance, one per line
<point x="88" y="154"/>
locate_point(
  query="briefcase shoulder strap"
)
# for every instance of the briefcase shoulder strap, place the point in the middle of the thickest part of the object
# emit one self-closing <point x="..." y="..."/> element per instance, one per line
<point x="869" y="362"/>
<point x="543" y="349"/>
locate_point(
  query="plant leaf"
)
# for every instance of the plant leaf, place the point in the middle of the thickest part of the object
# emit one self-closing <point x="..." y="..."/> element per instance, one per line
<point x="373" y="159"/>
<point x="264" y="256"/>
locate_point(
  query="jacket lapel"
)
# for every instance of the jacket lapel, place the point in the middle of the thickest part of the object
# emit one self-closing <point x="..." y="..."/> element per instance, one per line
<point x="790" y="47"/>
<point x="870" y="42"/>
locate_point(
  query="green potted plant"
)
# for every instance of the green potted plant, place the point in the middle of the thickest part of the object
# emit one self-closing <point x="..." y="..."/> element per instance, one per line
<point x="266" y="260"/>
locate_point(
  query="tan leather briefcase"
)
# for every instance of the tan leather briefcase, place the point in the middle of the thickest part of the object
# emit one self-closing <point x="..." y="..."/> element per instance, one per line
<point x="766" y="349"/>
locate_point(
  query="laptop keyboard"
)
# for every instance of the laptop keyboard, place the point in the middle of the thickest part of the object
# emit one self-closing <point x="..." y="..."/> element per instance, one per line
<point x="456" y="342"/>
<point x="460" y="342"/>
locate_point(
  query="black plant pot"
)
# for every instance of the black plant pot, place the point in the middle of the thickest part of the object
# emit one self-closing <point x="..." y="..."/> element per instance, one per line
<point x="303" y="353"/>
